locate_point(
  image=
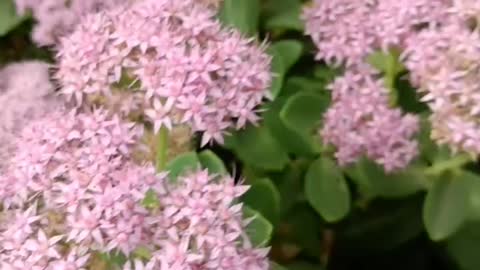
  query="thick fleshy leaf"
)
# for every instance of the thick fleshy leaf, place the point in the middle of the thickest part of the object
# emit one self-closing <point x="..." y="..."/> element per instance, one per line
<point x="294" y="141"/>
<point x="182" y="164"/>
<point x="446" y="206"/>
<point x="259" y="230"/>
<point x="304" y="266"/>
<point x="381" y="225"/>
<point x="326" y="190"/>
<point x="285" y="54"/>
<point x="303" y="111"/>
<point x="243" y="15"/>
<point x="212" y="162"/>
<point x="8" y="17"/>
<point x="464" y="246"/>
<point x="276" y="266"/>
<point x="374" y="182"/>
<point x="283" y="15"/>
<point x="264" y="197"/>
<point x="257" y="147"/>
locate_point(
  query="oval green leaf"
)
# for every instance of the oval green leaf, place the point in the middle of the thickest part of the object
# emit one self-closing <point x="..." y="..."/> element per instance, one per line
<point x="181" y="164"/>
<point x="259" y="229"/>
<point x="212" y="162"/>
<point x="446" y="206"/>
<point x="8" y="17"/>
<point x="303" y="111"/>
<point x="243" y="15"/>
<point x="326" y="190"/>
<point x="264" y="197"/>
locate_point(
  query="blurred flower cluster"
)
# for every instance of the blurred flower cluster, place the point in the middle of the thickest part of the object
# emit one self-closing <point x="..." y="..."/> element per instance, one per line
<point x="444" y="62"/>
<point x="22" y="99"/>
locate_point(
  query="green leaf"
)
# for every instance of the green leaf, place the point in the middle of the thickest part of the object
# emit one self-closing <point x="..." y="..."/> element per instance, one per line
<point x="212" y="162"/>
<point x="295" y="142"/>
<point x="150" y="201"/>
<point x="259" y="229"/>
<point x="303" y="111"/>
<point x="371" y="230"/>
<point x="391" y="66"/>
<point x="283" y="15"/>
<point x="8" y="17"/>
<point x="304" y="266"/>
<point x="276" y="266"/>
<point x="446" y="206"/>
<point x="243" y="15"/>
<point x="374" y="182"/>
<point x="326" y="190"/>
<point x="182" y="164"/>
<point x="464" y="246"/>
<point x="285" y="54"/>
<point x="473" y="182"/>
<point x="303" y="228"/>
<point x="257" y="147"/>
<point x="264" y="197"/>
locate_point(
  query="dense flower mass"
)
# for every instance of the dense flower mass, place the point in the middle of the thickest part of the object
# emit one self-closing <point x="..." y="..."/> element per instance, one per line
<point x="56" y="18"/>
<point x="71" y="189"/>
<point x="345" y="31"/>
<point x="178" y="63"/>
<point x="26" y="93"/>
<point x="201" y="226"/>
<point x="361" y="123"/>
<point x="445" y="65"/>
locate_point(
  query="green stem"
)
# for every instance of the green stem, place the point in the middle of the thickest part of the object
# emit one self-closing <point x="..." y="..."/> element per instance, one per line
<point x="450" y="164"/>
<point x="162" y="149"/>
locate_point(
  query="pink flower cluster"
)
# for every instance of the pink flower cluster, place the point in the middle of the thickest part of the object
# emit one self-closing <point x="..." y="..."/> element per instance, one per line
<point x="25" y="245"/>
<point x="345" y="31"/>
<point x="22" y="99"/>
<point x="71" y="189"/>
<point x="444" y="62"/>
<point x="178" y="63"/>
<point x="360" y="122"/>
<point x="56" y="18"/>
<point x="201" y="226"/>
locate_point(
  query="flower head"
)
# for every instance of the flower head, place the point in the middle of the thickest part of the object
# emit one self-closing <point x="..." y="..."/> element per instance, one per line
<point x="360" y="123"/>
<point x="180" y="65"/>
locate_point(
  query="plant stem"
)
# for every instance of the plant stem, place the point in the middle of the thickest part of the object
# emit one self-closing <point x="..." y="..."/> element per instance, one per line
<point x="454" y="163"/>
<point x="162" y="149"/>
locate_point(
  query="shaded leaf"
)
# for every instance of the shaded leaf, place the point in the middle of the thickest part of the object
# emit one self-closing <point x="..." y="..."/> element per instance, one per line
<point x="243" y="15"/>
<point x="212" y="162"/>
<point x="257" y="147"/>
<point x="182" y="164"/>
<point x="327" y="190"/>
<point x="264" y="197"/>
<point x="259" y="230"/>
<point x="446" y="206"/>
<point x="8" y="17"/>
<point x="285" y="54"/>
<point x="303" y="111"/>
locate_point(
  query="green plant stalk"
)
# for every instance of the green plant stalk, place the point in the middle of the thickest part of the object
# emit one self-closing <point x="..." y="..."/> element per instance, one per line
<point x="162" y="149"/>
<point x="451" y="164"/>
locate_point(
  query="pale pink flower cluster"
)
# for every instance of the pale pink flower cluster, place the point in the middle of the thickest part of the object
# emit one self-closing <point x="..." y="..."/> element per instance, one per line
<point x="201" y="227"/>
<point x="25" y="245"/>
<point x="444" y="63"/>
<point x="71" y="189"/>
<point x="26" y="93"/>
<point x="345" y="31"/>
<point x="56" y="18"/>
<point x="174" y="57"/>
<point x="361" y="123"/>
